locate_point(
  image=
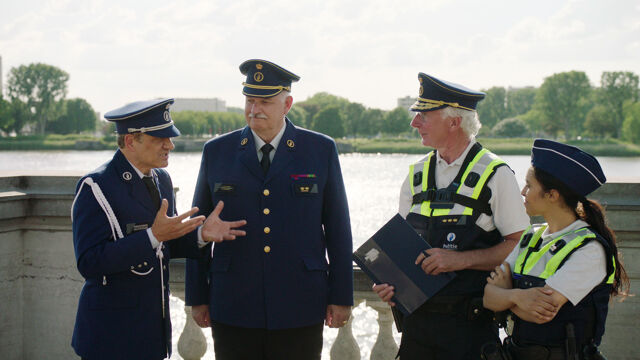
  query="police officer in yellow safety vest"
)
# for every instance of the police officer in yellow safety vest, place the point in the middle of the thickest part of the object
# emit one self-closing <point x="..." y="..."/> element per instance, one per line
<point x="464" y="201"/>
<point x="557" y="282"/>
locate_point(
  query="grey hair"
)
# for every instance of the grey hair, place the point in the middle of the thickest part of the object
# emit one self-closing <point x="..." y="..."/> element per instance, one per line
<point x="470" y="124"/>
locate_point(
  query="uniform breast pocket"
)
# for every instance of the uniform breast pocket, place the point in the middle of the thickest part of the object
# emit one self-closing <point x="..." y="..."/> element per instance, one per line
<point x="305" y="188"/>
<point x="224" y="189"/>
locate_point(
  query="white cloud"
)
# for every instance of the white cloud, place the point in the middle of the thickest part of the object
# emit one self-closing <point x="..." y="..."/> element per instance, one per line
<point x="366" y="51"/>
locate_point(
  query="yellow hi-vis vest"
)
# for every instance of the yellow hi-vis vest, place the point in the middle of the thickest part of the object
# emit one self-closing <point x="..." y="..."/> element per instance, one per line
<point x="462" y="196"/>
<point x="543" y="261"/>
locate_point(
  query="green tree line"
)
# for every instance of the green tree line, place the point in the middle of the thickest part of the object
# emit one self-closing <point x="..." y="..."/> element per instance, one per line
<point x="36" y="103"/>
<point x="566" y="105"/>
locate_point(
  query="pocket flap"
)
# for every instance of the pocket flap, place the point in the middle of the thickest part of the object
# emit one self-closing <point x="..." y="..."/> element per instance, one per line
<point x="315" y="264"/>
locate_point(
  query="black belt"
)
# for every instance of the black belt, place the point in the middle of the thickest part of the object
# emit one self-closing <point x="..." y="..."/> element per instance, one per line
<point x="466" y="306"/>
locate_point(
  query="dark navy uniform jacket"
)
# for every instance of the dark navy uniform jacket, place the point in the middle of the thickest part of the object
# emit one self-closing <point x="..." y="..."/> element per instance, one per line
<point x="277" y="276"/>
<point x="120" y="308"/>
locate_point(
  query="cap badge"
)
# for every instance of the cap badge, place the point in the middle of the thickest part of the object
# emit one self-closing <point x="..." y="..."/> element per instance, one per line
<point x="258" y="76"/>
<point x="244" y="141"/>
<point x="421" y="90"/>
<point x="259" y="66"/>
<point x="126" y="175"/>
<point x="167" y="116"/>
<point x="290" y="143"/>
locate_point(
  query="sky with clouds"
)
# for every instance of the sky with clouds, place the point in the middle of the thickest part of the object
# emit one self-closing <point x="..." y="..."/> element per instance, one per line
<point x="367" y="51"/>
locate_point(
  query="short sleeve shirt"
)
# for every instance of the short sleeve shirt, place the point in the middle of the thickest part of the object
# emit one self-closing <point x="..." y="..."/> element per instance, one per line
<point x="583" y="270"/>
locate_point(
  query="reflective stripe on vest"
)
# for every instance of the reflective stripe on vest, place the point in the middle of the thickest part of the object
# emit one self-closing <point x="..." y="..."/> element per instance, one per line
<point x="484" y="163"/>
<point x="542" y="263"/>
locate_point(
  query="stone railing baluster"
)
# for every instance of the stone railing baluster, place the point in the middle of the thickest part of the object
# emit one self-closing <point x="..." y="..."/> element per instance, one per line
<point x="345" y="346"/>
<point x="385" y="347"/>
<point x="192" y="344"/>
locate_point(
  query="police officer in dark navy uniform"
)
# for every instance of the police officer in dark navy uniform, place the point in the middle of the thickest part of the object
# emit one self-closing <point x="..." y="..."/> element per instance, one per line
<point x="125" y="230"/>
<point x="464" y="201"/>
<point x="267" y="295"/>
<point x="557" y="283"/>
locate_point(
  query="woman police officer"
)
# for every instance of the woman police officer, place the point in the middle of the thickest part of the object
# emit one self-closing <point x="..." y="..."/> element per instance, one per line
<point x="557" y="282"/>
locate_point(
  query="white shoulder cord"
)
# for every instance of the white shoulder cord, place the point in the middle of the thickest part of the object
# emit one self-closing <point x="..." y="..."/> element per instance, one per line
<point x="104" y="204"/>
<point x="116" y="231"/>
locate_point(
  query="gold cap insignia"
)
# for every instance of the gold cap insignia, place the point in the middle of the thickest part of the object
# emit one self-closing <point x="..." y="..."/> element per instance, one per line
<point x="420" y="79"/>
<point x="259" y="66"/>
<point x="421" y="90"/>
<point x="290" y="143"/>
<point x="244" y="141"/>
<point x="258" y="76"/>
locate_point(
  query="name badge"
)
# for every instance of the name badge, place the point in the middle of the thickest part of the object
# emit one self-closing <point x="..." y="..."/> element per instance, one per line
<point x="305" y="188"/>
<point x="131" y="228"/>
<point x="224" y="188"/>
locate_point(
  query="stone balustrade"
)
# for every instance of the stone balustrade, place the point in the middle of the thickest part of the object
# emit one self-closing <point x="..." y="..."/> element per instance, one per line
<point x="39" y="283"/>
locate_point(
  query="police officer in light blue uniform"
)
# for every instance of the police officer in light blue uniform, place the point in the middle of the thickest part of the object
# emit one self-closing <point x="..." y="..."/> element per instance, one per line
<point x="558" y="281"/>
<point x="268" y="294"/>
<point x="125" y="230"/>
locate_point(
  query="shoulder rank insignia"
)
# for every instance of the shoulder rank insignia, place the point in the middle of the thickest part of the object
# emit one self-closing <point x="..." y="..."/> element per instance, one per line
<point x="290" y="143"/>
<point x="244" y="141"/>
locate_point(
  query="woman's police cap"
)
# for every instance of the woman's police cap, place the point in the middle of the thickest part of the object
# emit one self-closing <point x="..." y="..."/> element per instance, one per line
<point x="435" y="94"/>
<point x="265" y="79"/>
<point x="150" y="117"/>
<point x="575" y="168"/>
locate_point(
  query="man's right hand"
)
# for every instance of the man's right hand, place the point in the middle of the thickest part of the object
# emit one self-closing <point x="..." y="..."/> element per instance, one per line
<point x="385" y="292"/>
<point x="166" y="228"/>
<point x="200" y="314"/>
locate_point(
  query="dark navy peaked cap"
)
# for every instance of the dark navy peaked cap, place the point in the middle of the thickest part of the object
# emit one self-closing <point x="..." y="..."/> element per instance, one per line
<point x="575" y="168"/>
<point x="150" y="117"/>
<point x="265" y="79"/>
<point x="435" y="94"/>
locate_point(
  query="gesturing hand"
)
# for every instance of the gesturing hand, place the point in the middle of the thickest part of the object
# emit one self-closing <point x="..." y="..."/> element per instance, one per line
<point x="217" y="230"/>
<point x="166" y="228"/>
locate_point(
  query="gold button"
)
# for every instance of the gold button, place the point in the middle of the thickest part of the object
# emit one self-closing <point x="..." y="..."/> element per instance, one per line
<point x="164" y="267"/>
<point x="266" y="211"/>
<point x="266" y="192"/>
<point x="267" y="249"/>
<point x="139" y="265"/>
<point x="132" y="267"/>
<point x="145" y="263"/>
<point x="267" y="230"/>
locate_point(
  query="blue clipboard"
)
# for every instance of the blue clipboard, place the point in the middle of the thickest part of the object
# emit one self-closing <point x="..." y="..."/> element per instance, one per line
<point x="389" y="257"/>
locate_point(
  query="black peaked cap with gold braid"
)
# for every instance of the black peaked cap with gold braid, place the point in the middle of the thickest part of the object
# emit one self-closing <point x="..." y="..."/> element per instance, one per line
<point x="435" y="94"/>
<point x="265" y="79"/>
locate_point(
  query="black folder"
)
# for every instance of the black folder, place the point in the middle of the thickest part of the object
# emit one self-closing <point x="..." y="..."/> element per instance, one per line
<point x="389" y="257"/>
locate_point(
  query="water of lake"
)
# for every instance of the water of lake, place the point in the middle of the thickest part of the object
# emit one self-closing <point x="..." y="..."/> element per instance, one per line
<point x="372" y="182"/>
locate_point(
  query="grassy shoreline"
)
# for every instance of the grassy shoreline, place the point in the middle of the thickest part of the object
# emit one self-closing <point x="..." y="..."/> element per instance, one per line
<point x="501" y="146"/>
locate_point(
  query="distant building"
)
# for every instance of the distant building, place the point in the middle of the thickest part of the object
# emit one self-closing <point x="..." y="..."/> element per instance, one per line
<point x="406" y="102"/>
<point x="193" y="104"/>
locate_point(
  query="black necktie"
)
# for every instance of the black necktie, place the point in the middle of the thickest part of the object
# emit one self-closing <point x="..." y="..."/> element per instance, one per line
<point x="153" y="191"/>
<point x="265" y="162"/>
